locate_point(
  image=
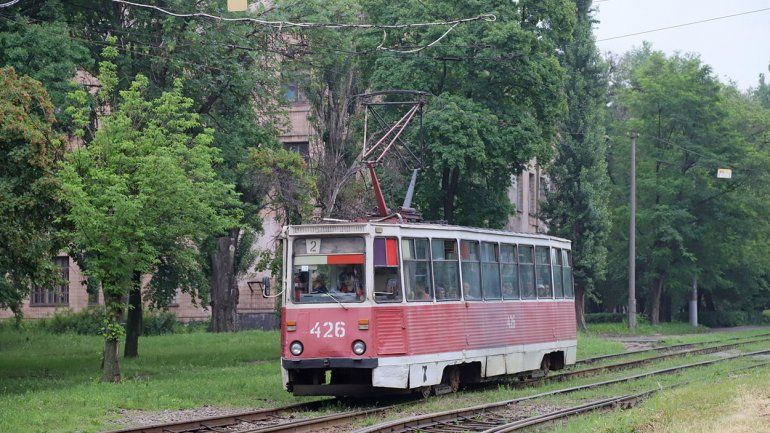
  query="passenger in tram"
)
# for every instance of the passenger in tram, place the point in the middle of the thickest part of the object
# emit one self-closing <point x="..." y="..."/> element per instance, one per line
<point x="440" y="293"/>
<point x="472" y="293"/>
<point x="419" y="293"/>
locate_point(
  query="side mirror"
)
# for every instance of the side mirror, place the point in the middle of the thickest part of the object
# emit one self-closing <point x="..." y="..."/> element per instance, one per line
<point x="265" y="286"/>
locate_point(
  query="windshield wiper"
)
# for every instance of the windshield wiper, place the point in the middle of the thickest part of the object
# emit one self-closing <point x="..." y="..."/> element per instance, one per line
<point x="338" y="301"/>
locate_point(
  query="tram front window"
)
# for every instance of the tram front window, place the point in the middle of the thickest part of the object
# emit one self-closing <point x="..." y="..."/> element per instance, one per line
<point x="328" y="270"/>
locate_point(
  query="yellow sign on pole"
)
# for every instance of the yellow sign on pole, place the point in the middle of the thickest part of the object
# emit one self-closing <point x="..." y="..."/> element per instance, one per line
<point x="237" y="5"/>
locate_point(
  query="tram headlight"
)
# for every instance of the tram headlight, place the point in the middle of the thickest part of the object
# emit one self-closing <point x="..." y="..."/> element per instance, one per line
<point x="359" y="347"/>
<point x="296" y="348"/>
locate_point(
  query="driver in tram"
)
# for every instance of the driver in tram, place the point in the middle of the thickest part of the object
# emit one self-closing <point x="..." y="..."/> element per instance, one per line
<point x="319" y="286"/>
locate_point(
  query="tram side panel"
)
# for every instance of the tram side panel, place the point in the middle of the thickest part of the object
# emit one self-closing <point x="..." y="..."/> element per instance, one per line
<point x="504" y="338"/>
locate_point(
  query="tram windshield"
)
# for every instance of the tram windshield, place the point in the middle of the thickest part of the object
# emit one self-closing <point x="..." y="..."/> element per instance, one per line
<point x="328" y="270"/>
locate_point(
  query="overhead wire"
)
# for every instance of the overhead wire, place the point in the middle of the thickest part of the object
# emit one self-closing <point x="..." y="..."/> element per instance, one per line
<point x="9" y="4"/>
<point x="288" y="24"/>
<point x="628" y="35"/>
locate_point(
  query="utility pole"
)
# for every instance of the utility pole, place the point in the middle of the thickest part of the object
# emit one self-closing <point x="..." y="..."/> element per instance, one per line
<point x="694" y="302"/>
<point x="632" y="241"/>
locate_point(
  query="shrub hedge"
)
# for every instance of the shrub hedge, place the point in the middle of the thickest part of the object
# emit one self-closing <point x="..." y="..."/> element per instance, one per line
<point x="89" y="322"/>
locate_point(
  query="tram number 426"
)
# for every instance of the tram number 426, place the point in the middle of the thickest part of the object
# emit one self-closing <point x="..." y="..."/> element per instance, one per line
<point x="328" y="329"/>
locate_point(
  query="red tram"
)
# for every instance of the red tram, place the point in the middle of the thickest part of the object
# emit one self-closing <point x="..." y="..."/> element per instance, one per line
<point x="402" y="306"/>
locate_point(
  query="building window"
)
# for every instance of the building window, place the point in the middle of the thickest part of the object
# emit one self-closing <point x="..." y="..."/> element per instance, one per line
<point x="300" y="147"/>
<point x="55" y="296"/>
<point x="532" y="194"/>
<point x="293" y="93"/>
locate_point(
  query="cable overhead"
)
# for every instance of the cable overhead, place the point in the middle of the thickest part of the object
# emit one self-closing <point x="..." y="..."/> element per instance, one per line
<point x="290" y="24"/>
<point x="9" y="4"/>
<point x="684" y="24"/>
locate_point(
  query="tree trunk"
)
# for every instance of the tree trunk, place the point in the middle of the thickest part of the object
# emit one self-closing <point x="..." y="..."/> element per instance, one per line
<point x="224" y="289"/>
<point x="134" y="318"/>
<point x="580" y="308"/>
<point x="110" y="357"/>
<point x="111" y="362"/>
<point x="657" y="291"/>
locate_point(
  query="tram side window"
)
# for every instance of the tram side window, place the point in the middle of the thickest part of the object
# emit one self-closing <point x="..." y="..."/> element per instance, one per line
<point x="445" y="269"/>
<point x="527" y="271"/>
<point x="558" y="281"/>
<point x="387" y="281"/>
<point x="471" y="266"/>
<point x="490" y="271"/>
<point x="567" y="274"/>
<point x="543" y="267"/>
<point x="416" y="270"/>
<point x="508" y="271"/>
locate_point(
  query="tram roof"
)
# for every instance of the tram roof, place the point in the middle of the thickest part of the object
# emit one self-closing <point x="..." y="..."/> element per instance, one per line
<point x="342" y="227"/>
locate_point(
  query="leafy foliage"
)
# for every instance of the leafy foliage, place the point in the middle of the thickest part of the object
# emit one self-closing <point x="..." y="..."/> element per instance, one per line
<point x="45" y="52"/>
<point x="498" y="96"/>
<point x="689" y="222"/>
<point x="29" y="192"/>
<point x="578" y="208"/>
<point x="144" y="194"/>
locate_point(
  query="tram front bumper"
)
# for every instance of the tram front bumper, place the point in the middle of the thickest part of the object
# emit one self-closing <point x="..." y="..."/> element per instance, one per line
<point x="297" y="364"/>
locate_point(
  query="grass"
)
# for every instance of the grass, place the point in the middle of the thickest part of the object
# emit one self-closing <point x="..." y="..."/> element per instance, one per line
<point x="644" y="329"/>
<point x="590" y="345"/>
<point x="51" y="382"/>
<point x="700" y="375"/>
<point x="741" y="404"/>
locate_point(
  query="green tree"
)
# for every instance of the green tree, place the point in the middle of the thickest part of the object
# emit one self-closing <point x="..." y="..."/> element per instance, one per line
<point x="228" y="72"/>
<point x="144" y="191"/>
<point x="690" y="224"/>
<point x="29" y="192"/>
<point x="762" y="92"/>
<point x="498" y="96"/>
<point x="578" y="207"/>
<point x="45" y="52"/>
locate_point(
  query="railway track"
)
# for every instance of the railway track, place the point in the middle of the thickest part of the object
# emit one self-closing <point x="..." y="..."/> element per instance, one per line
<point x="661" y="349"/>
<point x="495" y="417"/>
<point x="280" y="419"/>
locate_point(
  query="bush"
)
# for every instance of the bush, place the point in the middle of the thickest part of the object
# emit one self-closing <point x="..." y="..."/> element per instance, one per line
<point x="724" y="318"/>
<point x="89" y="322"/>
<point x="605" y="317"/>
<point x="159" y="323"/>
<point x="85" y="322"/>
<point x="766" y="315"/>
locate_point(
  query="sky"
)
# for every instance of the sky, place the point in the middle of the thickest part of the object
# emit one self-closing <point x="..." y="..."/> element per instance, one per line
<point x="737" y="48"/>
